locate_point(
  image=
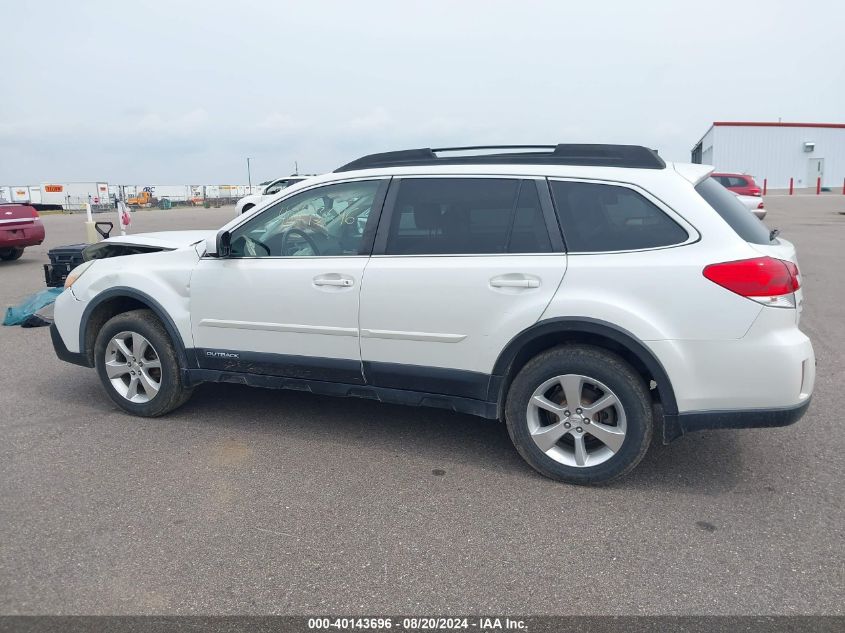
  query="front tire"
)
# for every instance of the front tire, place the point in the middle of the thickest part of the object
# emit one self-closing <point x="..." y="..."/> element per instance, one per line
<point x="138" y="366"/>
<point x="579" y="414"/>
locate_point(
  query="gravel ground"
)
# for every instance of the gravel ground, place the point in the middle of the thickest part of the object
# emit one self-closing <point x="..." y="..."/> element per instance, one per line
<point x="254" y="501"/>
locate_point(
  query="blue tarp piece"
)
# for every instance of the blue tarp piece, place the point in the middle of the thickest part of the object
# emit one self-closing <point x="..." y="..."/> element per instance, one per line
<point x="19" y="313"/>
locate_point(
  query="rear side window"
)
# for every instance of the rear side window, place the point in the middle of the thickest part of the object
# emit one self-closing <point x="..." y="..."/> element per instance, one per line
<point x="727" y="205"/>
<point x="600" y="218"/>
<point x="460" y="216"/>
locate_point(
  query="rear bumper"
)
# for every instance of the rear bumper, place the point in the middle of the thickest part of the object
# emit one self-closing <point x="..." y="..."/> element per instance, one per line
<point x="773" y="367"/>
<point x="676" y="425"/>
<point x="19" y="237"/>
<point x="63" y="352"/>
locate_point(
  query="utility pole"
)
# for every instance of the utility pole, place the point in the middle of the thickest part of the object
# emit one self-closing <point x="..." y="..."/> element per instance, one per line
<point x="248" y="174"/>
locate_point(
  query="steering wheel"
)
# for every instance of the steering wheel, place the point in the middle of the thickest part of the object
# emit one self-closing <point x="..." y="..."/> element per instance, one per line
<point x="304" y="235"/>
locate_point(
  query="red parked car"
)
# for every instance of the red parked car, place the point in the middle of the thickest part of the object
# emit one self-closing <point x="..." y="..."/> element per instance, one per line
<point x="742" y="184"/>
<point x="20" y="227"/>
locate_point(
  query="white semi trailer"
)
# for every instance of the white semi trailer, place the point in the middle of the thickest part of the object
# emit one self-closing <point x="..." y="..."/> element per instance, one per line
<point x="73" y="196"/>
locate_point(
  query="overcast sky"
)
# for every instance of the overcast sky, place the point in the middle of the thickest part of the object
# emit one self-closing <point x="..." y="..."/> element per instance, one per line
<point x="181" y="92"/>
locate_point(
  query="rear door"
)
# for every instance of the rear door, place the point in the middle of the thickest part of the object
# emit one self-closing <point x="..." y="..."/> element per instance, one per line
<point x="460" y="266"/>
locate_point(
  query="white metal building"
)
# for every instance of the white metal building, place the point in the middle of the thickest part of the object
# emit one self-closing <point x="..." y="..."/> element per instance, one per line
<point x="776" y="152"/>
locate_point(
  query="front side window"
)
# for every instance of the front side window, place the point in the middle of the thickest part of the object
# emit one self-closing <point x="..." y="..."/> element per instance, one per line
<point x="464" y="216"/>
<point x="600" y="218"/>
<point x="326" y="220"/>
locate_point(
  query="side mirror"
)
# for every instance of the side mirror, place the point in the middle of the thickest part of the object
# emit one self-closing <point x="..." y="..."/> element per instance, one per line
<point x="222" y="246"/>
<point x="211" y="246"/>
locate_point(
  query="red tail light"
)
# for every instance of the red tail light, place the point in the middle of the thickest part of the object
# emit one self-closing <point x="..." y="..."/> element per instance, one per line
<point x="754" y="192"/>
<point x="34" y="212"/>
<point x="760" y="206"/>
<point x="794" y="273"/>
<point x="764" y="279"/>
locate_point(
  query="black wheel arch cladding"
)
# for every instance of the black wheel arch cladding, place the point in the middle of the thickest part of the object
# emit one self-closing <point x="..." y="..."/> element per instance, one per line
<point x="518" y="349"/>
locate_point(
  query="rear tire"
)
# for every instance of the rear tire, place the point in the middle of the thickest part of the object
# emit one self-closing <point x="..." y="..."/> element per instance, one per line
<point x="11" y="254"/>
<point x="598" y="432"/>
<point x="138" y="366"/>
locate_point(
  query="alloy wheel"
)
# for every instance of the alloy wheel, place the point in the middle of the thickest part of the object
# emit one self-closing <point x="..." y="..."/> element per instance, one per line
<point x="133" y="367"/>
<point x="576" y="420"/>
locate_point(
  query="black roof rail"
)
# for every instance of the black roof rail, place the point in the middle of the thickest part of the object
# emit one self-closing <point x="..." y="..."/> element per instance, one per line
<point x="635" y="156"/>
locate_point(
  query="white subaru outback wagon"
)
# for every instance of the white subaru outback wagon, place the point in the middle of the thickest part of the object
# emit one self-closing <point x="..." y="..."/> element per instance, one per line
<point x="590" y="296"/>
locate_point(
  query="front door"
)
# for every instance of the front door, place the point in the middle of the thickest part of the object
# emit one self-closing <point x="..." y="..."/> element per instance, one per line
<point x="285" y="301"/>
<point x="815" y="170"/>
<point x="463" y="265"/>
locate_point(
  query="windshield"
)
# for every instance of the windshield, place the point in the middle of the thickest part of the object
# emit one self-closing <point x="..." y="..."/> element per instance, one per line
<point x="740" y="219"/>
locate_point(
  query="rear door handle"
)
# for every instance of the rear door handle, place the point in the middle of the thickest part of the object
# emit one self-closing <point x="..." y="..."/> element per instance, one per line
<point x="512" y="282"/>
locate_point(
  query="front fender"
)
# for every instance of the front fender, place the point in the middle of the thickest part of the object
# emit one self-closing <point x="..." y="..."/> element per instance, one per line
<point x="160" y="281"/>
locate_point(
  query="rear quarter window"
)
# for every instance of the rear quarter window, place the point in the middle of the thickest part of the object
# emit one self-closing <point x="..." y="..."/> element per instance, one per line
<point x="740" y="219"/>
<point x="600" y="218"/>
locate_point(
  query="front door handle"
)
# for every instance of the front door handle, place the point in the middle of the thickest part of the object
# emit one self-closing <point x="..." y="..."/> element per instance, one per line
<point x="508" y="281"/>
<point x="333" y="280"/>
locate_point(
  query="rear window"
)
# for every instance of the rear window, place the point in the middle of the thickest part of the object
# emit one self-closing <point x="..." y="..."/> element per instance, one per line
<point x="740" y="219"/>
<point x="601" y="218"/>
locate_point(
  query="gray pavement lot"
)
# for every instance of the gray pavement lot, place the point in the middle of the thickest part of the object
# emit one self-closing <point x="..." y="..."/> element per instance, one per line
<point x="255" y="501"/>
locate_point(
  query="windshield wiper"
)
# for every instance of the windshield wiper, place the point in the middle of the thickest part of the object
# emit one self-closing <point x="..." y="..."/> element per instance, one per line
<point x="773" y="234"/>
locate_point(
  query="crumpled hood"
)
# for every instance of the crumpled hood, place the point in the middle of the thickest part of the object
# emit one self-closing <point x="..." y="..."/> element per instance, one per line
<point x="164" y="239"/>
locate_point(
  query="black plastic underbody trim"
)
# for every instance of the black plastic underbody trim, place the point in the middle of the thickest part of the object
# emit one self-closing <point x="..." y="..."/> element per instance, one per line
<point x="691" y="421"/>
<point x="77" y="358"/>
<point x="457" y="390"/>
<point x="449" y="382"/>
<point x="342" y="370"/>
<point x="381" y="394"/>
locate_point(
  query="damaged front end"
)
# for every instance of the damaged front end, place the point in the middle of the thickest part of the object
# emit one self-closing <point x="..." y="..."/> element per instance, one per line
<point x="64" y="259"/>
